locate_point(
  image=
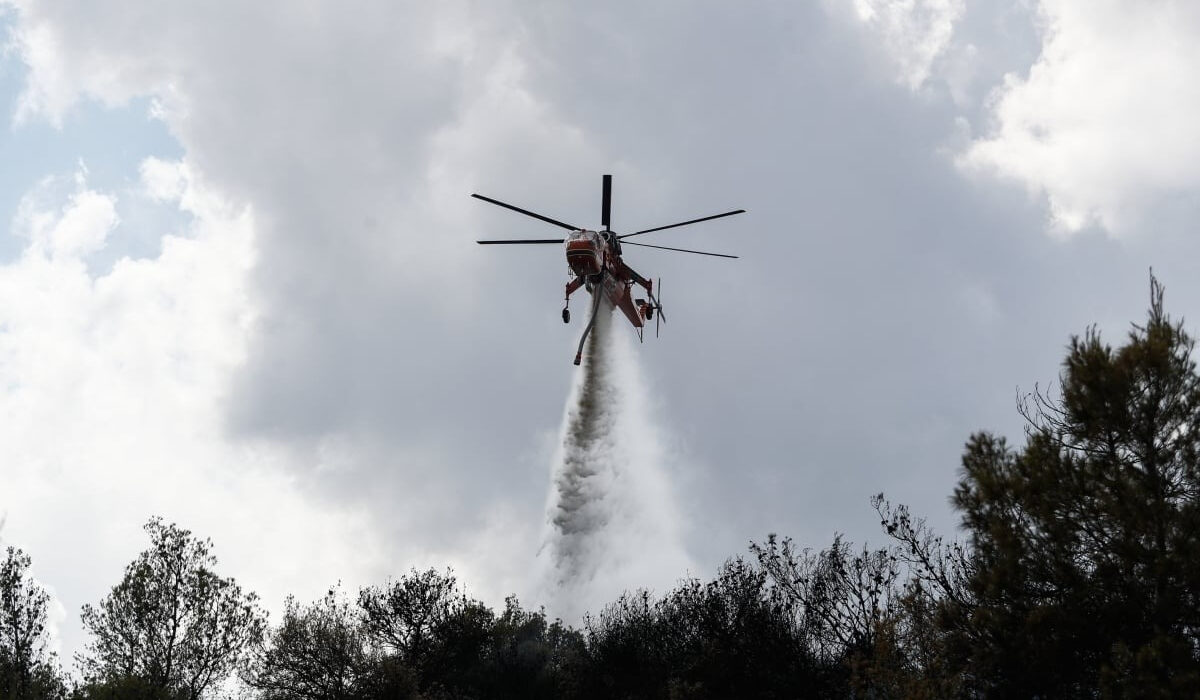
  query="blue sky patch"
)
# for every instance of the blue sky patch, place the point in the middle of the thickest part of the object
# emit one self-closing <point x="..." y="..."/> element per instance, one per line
<point x="110" y="141"/>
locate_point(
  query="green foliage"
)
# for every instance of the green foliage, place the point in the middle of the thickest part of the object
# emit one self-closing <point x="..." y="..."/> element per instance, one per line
<point x="1085" y="542"/>
<point x="317" y="652"/>
<point x="522" y="655"/>
<point x="730" y="637"/>
<point x="124" y="688"/>
<point x="27" y="670"/>
<point x="171" y="627"/>
<point x="414" y="637"/>
<point x="402" y="615"/>
<point x="911" y="656"/>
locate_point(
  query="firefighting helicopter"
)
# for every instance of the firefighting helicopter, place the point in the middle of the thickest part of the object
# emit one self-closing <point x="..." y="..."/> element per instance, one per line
<point x="594" y="260"/>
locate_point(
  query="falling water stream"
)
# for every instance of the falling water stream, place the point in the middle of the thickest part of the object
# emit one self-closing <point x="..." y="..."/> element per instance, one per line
<point x="612" y="520"/>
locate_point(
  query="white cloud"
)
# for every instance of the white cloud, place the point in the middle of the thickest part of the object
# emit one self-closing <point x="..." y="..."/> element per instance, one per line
<point x="110" y="406"/>
<point x="915" y="33"/>
<point x="164" y="181"/>
<point x="56" y="82"/>
<point x="79" y="227"/>
<point x="1104" y="124"/>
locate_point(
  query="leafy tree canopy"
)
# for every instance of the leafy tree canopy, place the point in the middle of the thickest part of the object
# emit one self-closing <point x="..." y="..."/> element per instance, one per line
<point x="27" y="669"/>
<point x="172" y="623"/>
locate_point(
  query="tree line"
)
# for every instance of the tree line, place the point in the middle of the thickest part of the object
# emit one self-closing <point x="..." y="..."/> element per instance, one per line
<point x="1077" y="576"/>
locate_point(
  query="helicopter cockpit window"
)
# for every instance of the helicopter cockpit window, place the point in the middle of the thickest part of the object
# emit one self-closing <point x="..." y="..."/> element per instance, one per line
<point x="581" y="236"/>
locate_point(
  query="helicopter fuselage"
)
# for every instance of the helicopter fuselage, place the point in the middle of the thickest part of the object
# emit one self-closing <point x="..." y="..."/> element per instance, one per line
<point x="594" y="259"/>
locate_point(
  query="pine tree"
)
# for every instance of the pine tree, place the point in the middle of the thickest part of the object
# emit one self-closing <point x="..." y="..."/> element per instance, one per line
<point x="1085" y="542"/>
<point x="27" y="670"/>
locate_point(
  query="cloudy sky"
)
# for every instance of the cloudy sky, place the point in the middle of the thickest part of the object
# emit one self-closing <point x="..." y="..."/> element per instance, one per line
<point x="239" y="286"/>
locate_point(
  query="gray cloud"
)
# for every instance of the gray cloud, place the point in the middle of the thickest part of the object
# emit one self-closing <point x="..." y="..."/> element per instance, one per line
<point x="886" y="304"/>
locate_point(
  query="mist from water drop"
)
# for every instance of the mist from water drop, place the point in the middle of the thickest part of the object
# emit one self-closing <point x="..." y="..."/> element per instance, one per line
<point x="612" y="521"/>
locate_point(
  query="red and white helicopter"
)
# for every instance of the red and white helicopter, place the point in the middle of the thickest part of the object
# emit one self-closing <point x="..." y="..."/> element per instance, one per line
<point x="594" y="259"/>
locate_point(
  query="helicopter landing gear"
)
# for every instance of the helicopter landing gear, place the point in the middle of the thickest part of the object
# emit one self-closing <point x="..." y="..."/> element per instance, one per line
<point x="571" y="287"/>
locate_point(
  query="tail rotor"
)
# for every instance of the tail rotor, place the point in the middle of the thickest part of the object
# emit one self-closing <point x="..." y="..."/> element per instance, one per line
<point x="657" y="302"/>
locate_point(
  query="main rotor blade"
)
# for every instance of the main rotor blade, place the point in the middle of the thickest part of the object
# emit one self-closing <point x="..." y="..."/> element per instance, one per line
<point x="606" y="202"/>
<point x="526" y="212"/>
<point x="684" y="223"/>
<point x="682" y="250"/>
<point x="527" y="240"/>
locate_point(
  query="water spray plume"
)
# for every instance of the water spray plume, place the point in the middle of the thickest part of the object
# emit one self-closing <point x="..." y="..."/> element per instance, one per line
<point x="612" y="522"/>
